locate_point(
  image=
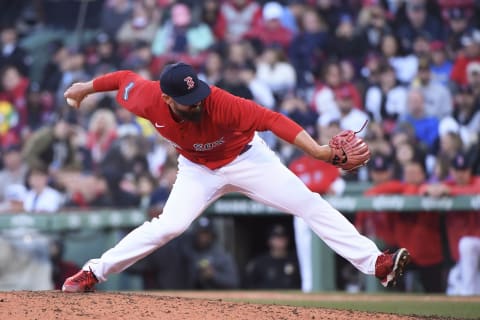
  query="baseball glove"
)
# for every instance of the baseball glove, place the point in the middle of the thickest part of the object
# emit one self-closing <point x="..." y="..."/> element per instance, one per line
<point x="349" y="151"/>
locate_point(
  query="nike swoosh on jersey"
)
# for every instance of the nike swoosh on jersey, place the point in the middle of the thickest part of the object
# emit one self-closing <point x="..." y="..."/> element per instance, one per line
<point x="159" y="125"/>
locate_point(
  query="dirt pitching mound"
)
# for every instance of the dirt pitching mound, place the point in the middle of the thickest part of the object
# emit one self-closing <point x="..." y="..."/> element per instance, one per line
<point x="136" y="306"/>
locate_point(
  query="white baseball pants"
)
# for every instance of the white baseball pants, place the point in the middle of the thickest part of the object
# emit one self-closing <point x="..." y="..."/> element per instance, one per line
<point x="260" y="175"/>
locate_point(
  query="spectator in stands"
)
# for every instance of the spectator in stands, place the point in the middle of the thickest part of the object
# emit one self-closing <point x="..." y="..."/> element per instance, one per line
<point x="437" y="98"/>
<point x="39" y="108"/>
<point x="209" y="266"/>
<point x="465" y="119"/>
<point x="72" y="68"/>
<point x="387" y="102"/>
<point x="330" y="12"/>
<point x="373" y="23"/>
<point x="240" y="52"/>
<point x="102" y="131"/>
<point x="370" y="71"/>
<point x="473" y="78"/>
<point x="349" y="115"/>
<point x="13" y="90"/>
<point x="346" y="43"/>
<point x="323" y="99"/>
<point x="270" y="32"/>
<point x="426" y="127"/>
<point x="274" y="69"/>
<point x="180" y="38"/>
<point x="212" y="68"/>
<point x="121" y="165"/>
<point x="441" y="64"/>
<point x="308" y="48"/>
<point x="462" y="227"/>
<point x="470" y="53"/>
<point x="41" y="198"/>
<point x="141" y="25"/>
<point x="52" y="72"/>
<point x="51" y="147"/>
<point x="457" y="26"/>
<point x="418" y="22"/>
<point x="14" y="170"/>
<point x="114" y="14"/>
<point x="232" y="81"/>
<point x="237" y="17"/>
<point x="11" y="52"/>
<point x="104" y="56"/>
<point x="377" y="139"/>
<point x="87" y="191"/>
<point x="210" y="14"/>
<point x="277" y="268"/>
<point x="262" y="94"/>
<point x="449" y="145"/>
<point x="294" y="13"/>
<point x="405" y="65"/>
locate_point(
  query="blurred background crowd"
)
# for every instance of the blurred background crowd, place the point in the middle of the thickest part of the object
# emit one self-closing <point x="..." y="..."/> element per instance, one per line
<point x="412" y="68"/>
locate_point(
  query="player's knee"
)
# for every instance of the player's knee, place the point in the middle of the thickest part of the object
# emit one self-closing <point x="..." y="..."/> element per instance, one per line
<point x="170" y="228"/>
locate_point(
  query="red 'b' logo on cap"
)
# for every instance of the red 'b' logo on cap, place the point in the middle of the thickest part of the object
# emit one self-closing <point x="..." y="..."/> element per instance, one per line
<point x="190" y="83"/>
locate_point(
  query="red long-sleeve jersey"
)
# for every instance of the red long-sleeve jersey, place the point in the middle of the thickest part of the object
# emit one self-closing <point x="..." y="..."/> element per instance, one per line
<point x="227" y="125"/>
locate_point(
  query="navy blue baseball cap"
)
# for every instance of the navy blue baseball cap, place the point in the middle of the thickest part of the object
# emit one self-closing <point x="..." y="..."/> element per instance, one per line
<point x="180" y="82"/>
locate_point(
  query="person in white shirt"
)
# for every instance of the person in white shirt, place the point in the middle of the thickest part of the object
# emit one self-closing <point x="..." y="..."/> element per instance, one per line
<point x="388" y="101"/>
<point x="350" y="117"/>
<point x="41" y="198"/>
<point x="438" y="100"/>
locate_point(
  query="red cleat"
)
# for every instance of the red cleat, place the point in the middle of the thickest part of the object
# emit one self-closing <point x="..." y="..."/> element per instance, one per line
<point x="82" y="281"/>
<point x="390" y="266"/>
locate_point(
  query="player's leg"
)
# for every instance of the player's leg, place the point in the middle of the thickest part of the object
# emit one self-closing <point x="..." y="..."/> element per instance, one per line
<point x="260" y="175"/>
<point x="194" y="189"/>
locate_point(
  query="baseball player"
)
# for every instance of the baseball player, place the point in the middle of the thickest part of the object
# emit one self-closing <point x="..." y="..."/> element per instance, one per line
<point x="214" y="133"/>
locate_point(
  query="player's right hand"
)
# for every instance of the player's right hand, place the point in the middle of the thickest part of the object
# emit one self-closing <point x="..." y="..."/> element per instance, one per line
<point x="77" y="92"/>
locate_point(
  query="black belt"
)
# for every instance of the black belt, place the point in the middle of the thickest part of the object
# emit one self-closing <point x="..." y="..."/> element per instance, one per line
<point x="245" y="148"/>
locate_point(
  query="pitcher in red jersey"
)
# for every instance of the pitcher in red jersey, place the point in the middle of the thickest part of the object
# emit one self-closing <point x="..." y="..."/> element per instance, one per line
<point x="214" y="133"/>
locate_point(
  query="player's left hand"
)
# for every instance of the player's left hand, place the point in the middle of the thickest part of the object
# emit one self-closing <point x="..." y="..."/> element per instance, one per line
<point x="348" y="151"/>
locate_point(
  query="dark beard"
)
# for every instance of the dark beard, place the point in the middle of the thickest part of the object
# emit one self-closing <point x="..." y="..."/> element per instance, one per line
<point x="194" y="116"/>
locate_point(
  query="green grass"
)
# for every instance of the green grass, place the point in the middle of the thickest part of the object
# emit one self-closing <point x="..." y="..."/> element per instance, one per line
<point x="404" y="306"/>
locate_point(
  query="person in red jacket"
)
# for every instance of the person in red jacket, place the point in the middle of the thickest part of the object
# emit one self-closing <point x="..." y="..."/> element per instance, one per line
<point x="414" y="229"/>
<point x="379" y="225"/>
<point x="219" y="150"/>
<point x="471" y="54"/>
<point x="463" y="228"/>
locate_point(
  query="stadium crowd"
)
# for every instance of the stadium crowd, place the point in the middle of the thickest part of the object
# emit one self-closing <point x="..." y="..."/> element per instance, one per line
<point x="412" y="68"/>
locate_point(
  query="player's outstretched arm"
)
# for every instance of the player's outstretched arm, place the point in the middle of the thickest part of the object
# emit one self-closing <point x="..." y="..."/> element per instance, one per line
<point x="107" y="82"/>
<point x="307" y="144"/>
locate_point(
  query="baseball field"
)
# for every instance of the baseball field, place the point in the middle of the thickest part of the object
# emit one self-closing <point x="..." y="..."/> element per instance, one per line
<point x="236" y="305"/>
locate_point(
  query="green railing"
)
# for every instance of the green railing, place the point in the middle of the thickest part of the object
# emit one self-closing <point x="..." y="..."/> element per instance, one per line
<point x="110" y="222"/>
<point x="233" y="204"/>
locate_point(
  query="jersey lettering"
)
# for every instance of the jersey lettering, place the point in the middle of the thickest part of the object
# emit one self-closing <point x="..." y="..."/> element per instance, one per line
<point x="209" y="145"/>
<point x="127" y="90"/>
